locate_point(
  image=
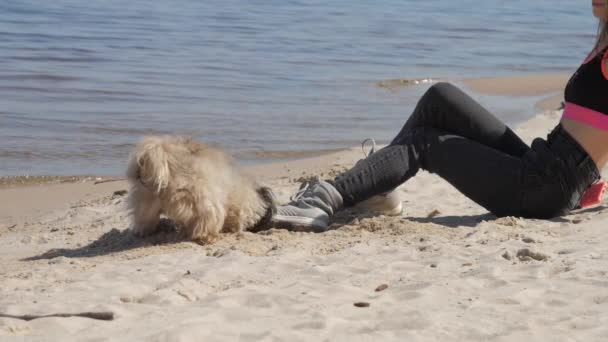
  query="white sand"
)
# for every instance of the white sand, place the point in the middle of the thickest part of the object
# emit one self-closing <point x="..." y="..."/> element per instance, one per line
<point x="452" y="277"/>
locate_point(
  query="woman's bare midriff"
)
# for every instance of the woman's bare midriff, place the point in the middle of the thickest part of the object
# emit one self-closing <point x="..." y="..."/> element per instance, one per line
<point x="593" y="140"/>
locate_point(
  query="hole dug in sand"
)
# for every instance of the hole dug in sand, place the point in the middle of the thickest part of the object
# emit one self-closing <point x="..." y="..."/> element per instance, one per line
<point x="525" y="254"/>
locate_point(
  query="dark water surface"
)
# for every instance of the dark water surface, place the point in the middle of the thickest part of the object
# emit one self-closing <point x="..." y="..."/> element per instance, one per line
<point x="81" y="81"/>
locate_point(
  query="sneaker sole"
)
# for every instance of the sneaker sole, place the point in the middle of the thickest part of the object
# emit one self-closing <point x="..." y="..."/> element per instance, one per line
<point x="396" y="211"/>
<point x="299" y="223"/>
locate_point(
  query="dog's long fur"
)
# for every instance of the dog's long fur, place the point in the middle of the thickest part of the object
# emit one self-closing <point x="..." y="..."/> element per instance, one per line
<point x="198" y="186"/>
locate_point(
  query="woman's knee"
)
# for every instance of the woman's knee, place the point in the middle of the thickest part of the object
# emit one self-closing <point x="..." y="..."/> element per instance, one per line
<point x="438" y="94"/>
<point x="442" y="89"/>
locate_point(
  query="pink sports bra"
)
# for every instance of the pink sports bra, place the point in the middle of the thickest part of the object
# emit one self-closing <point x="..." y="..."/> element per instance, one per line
<point x="586" y="94"/>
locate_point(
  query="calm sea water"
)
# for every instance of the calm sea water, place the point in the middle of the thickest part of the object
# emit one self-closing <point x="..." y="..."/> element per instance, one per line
<point x="82" y="81"/>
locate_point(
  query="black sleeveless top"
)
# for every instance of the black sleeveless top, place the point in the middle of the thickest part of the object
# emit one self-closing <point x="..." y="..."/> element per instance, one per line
<point x="586" y="93"/>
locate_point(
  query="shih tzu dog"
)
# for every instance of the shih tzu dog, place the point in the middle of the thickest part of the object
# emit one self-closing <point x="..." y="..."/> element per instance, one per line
<point x="197" y="186"/>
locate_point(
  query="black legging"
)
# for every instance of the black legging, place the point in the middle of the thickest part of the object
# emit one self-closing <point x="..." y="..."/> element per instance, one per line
<point x="453" y="136"/>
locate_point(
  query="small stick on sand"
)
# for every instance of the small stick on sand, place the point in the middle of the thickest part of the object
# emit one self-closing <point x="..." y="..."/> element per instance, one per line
<point x="103" y="316"/>
<point x="109" y="180"/>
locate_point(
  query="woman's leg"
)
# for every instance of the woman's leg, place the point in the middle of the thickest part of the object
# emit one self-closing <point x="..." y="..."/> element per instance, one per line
<point x="448" y="134"/>
<point x="486" y="175"/>
<point x="445" y="108"/>
<point x="448" y="108"/>
<point x="492" y="178"/>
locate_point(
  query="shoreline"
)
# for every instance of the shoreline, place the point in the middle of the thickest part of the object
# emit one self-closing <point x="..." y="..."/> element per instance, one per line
<point x="27" y="192"/>
<point x="543" y="92"/>
<point x="27" y="180"/>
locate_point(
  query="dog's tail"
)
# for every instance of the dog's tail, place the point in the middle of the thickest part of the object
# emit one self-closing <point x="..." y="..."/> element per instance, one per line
<point x="152" y="163"/>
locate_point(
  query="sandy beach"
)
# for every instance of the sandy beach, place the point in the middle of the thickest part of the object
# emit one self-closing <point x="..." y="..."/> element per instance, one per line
<point x="550" y="87"/>
<point x="446" y="270"/>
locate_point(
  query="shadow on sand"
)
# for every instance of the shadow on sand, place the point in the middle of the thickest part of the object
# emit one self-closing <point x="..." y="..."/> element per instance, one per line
<point x="455" y="221"/>
<point x="115" y="241"/>
<point x="473" y="220"/>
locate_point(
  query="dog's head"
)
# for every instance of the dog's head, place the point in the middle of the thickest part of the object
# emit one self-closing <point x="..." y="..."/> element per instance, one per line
<point x="154" y="161"/>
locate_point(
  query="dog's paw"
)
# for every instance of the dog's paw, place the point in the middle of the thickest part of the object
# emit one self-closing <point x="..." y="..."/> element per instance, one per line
<point x="205" y="240"/>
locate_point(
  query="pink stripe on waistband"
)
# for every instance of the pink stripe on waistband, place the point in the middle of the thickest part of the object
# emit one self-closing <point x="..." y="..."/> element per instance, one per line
<point x="585" y="115"/>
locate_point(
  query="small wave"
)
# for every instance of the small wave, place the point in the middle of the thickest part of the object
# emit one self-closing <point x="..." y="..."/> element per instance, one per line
<point x="46" y="49"/>
<point x="123" y="130"/>
<point x="17" y="154"/>
<point x="11" y="181"/>
<point x="397" y="84"/>
<point x="60" y="59"/>
<point x="38" y="77"/>
<point x="53" y="90"/>
<point x="38" y="154"/>
<point x="282" y="155"/>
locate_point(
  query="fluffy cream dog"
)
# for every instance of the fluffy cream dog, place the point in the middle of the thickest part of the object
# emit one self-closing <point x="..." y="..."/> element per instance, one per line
<point x="197" y="186"/>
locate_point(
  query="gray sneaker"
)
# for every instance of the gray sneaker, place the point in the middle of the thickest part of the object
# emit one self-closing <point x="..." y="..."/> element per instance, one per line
<point x="310" y="208"/>
<point x="388" y="203"/>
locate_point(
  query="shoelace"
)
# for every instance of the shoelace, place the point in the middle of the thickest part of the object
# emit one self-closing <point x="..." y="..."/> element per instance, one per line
<point x="303" y="189"/>
<point x="300" y="192"/>
<point x="372" y="150"/>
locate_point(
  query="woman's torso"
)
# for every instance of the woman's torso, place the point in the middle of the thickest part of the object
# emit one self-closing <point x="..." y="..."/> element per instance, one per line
<point x="586" y="110"/>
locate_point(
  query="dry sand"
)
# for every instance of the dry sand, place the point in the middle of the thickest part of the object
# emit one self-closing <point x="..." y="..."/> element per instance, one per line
<point x="532" y="85"/>
<point x="452" y="272"/>
<point x="550" y="87"/>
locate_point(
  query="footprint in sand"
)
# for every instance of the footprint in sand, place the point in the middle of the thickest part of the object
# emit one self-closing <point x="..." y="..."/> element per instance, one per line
<point x="556" y="303"/>
<point x="412" y="320"/>
<point x="404" y="296"/>
<point x="506" y="301"/>
<point x="312" y="325"/>
<point x="417" y="286"/>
